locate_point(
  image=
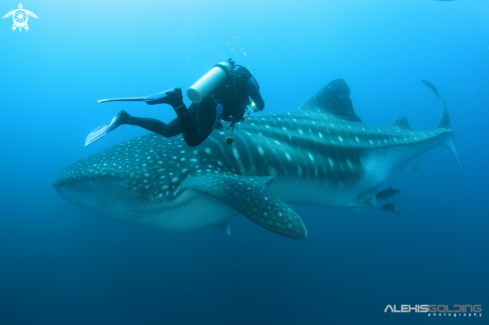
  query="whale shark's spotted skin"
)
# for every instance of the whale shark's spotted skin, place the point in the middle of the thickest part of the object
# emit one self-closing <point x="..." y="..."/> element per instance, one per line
<point x="306" y="156"/>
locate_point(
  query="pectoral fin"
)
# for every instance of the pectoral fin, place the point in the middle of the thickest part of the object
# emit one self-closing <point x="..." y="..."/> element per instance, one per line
<point x="250" y="197"/>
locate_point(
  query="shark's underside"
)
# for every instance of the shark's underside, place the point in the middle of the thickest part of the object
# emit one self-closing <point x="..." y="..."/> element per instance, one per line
<point x="318" y="154"/>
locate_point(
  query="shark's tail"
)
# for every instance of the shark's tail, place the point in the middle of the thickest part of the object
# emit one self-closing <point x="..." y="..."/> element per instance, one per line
<point x="445" y="124"/>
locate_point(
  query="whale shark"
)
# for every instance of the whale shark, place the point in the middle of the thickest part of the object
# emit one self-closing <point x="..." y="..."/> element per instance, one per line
<point x="319" y="154"/>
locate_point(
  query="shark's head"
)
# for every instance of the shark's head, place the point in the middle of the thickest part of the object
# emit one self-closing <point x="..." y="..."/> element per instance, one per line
<point x="95" y="184"/>
<point x="126" y="177"/>
<point x="95" y="189"/>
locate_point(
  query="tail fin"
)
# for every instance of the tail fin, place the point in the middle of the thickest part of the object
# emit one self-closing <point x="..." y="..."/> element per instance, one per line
<point x="445" y="124"/>
<point x="398" y="213"/>
<point x="450" y="144"/>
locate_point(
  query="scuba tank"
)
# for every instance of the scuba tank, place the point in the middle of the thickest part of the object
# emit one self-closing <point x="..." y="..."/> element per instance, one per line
<point x="209" y="82"/>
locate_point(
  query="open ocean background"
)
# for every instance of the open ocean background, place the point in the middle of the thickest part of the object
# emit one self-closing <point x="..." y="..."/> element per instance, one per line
<point x="60" y="264"/>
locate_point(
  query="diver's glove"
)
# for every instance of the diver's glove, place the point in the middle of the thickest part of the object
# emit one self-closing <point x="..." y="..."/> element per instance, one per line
<point x="173" y="98"/>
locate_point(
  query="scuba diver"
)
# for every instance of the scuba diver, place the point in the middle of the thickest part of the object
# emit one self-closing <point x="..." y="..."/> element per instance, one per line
<point x="222" y="93"/>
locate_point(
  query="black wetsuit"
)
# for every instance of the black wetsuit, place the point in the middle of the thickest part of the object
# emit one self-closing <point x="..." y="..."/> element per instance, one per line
<point x="198" y="121"/>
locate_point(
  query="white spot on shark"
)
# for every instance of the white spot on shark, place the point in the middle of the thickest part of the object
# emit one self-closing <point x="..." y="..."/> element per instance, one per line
<point x="235" y="153"/>
<point x="260" y="151"/>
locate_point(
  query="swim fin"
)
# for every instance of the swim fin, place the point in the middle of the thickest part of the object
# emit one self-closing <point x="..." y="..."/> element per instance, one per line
<point x="102" y="130"/>
<point x="148" y="99"/>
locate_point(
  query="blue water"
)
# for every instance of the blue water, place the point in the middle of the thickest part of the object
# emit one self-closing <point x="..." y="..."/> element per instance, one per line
<point x="60" y="264"/>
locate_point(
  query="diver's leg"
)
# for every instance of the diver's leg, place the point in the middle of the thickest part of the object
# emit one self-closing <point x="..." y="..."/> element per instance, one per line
<point x="197" y="122"/>
<point x="167" y="130"/>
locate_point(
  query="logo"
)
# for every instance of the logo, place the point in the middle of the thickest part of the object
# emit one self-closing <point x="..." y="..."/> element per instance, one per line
<point x="438" y="310"/>
<point x="20" y="17"/>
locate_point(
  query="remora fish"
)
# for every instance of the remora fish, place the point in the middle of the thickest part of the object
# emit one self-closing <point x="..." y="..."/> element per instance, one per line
<point x="319" y="154"/>
<point x="387" y="193"/>
<point x="390" y="208"/>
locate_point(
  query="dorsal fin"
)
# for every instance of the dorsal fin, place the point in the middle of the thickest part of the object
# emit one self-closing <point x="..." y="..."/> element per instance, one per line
<point x="402" y="123"/>
<point x="334" y="99"/>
